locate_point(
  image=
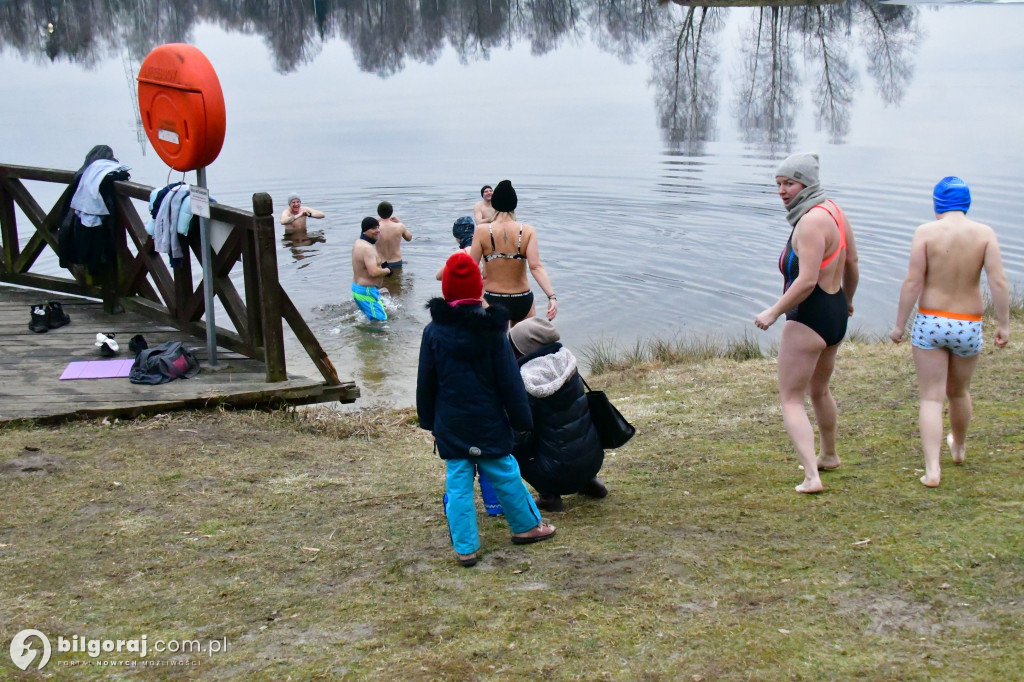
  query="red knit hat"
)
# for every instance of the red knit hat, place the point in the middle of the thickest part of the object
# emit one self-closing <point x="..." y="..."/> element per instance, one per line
<point x="461" y="278"/>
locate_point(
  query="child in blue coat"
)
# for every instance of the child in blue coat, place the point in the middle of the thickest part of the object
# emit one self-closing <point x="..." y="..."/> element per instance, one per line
<point x="470" y="396"/>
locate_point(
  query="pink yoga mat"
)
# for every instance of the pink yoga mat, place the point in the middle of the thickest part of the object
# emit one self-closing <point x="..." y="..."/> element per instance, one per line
<point x="97" y="369"/>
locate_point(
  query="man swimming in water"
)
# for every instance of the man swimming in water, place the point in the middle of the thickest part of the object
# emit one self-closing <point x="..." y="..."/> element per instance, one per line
<point x="367" y="273"/>
<point x="944" y="280"/>
<point x="294" y="217"/>
<point x="392" y="232"/>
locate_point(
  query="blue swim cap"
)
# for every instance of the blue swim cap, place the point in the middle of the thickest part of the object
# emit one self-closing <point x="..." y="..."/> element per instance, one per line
<point x="951" y="194"/>
<point x="463" y="231"/>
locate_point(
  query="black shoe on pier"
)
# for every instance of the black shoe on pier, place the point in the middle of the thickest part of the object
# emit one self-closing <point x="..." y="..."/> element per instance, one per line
<point x="137" y="344"/>
<point x="38" y="322"/>
<point x="55" y="315"/>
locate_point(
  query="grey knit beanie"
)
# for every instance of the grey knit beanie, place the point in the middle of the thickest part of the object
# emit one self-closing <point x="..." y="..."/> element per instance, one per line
<point x="800" y="167"/>
<point x="532" y="333"/>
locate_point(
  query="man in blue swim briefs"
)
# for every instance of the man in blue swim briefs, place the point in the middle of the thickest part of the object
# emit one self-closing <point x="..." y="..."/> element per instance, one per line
<point x="367" y="273"/>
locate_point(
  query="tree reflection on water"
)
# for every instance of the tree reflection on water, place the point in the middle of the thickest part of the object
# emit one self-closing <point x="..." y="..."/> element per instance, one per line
<point x="681" y="39"/>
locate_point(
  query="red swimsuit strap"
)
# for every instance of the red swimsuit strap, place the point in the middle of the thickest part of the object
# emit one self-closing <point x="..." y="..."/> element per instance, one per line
<point x="837" y="215"/>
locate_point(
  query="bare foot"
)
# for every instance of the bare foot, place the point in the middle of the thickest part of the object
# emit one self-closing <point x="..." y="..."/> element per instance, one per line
<point x="957" y="452"/>
<point x="930" y="481"/>
<point x="810" y="486"/>
<point x="828" y="463"/>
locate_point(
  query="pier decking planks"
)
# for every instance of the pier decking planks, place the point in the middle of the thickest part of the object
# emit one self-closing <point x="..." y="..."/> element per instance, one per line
<point x="31" y="365"/>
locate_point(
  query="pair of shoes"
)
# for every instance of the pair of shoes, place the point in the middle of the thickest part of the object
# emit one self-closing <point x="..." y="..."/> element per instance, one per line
<point x="47" y="317"/>
<point x="544" y="531"/>
<point x="108" y="346"/>
<point x="467" y="560"/>
<point x="137" y="344"/>
<point x="594" y="488"/>
<point x="549" y="503"/>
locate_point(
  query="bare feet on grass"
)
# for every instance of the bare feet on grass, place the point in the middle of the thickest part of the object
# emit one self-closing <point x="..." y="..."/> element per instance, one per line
<point x="958" y="451"/>
<point x="810" y="485"/>
<point x="828" y="463"/>
<point x="931" y="481"/>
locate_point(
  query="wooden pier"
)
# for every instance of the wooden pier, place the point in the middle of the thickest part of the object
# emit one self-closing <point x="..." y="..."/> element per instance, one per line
<point x="140" y="294"/>
<point x="31" y="365"/>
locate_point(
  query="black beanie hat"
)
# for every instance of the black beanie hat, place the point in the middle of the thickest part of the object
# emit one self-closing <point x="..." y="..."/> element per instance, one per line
<point x="369" y="223"/>
<point x="504" y="198"/>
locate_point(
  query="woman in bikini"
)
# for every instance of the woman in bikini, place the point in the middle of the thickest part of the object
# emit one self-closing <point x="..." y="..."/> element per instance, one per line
<point x="507" y="247"/>
<point x="944" y="280"/>
<point x="817" y="300"/>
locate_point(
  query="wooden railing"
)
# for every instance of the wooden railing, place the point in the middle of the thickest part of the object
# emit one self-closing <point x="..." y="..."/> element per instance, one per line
<point x="141" y="280"/>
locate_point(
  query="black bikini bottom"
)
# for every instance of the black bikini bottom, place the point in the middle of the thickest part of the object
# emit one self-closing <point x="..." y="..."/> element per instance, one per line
<point x="517" y="305"/>
<point x="826" y="314"/>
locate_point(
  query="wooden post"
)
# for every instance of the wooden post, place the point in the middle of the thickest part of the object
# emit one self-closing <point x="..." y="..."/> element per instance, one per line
<point x="270" y="288"/>
<point x="251" y="284"/>
<point x="8" y="230"/>
<point x="111" y="277"/>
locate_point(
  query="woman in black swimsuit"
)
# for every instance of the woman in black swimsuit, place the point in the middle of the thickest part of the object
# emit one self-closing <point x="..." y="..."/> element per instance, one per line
<point x="817" y="300"/>
<point x="507" y="247"/>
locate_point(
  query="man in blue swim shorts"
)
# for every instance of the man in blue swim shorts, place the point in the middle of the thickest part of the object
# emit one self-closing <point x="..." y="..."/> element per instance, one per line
<point x="367" y="273"/>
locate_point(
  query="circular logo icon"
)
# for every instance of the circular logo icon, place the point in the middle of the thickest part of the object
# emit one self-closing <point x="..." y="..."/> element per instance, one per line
<point x="22" y="652"/>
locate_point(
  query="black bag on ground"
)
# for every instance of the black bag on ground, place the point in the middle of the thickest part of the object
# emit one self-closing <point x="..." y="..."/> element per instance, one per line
<point x="612" y="427"/>
<point x="160" y="364"/>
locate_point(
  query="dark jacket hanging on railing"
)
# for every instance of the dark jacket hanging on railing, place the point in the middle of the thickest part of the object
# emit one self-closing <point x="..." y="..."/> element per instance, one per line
<point x="91" y="245"/>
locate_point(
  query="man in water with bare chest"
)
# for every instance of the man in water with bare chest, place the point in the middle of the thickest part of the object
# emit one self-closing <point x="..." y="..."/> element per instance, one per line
<point x="392" y="232"/>
<point x="294" y="217"/>
<point x="483" y="212"/>
<point x="367" y="273"/>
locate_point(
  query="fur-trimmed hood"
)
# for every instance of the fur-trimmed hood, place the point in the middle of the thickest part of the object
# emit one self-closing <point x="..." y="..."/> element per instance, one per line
<point x="547" y="373"/>
<point x="479" y="320"/>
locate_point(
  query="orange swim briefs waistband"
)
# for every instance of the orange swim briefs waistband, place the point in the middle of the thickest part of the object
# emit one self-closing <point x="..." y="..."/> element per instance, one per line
<point x="953" y="316"/>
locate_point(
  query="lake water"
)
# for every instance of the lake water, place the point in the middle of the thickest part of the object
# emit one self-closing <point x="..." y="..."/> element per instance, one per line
<point x="641" y="140"/>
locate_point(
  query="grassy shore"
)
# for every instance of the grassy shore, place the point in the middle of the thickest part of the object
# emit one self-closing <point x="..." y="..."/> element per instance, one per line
<point x="314" y="542"/>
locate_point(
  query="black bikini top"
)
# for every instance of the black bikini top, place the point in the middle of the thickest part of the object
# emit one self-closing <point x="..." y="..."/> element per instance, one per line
<point x="494" y="250"/>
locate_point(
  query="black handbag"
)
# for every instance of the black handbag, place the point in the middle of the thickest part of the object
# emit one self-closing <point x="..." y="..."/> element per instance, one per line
<point x="612" y="428"/>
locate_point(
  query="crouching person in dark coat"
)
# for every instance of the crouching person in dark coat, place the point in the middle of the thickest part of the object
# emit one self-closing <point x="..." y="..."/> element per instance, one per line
<point x="563" y="453"/>
<point x="470" y="396"/>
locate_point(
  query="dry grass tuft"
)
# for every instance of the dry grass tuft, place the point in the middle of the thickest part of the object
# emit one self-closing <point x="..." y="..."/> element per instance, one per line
<point x="375" y="421"/>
